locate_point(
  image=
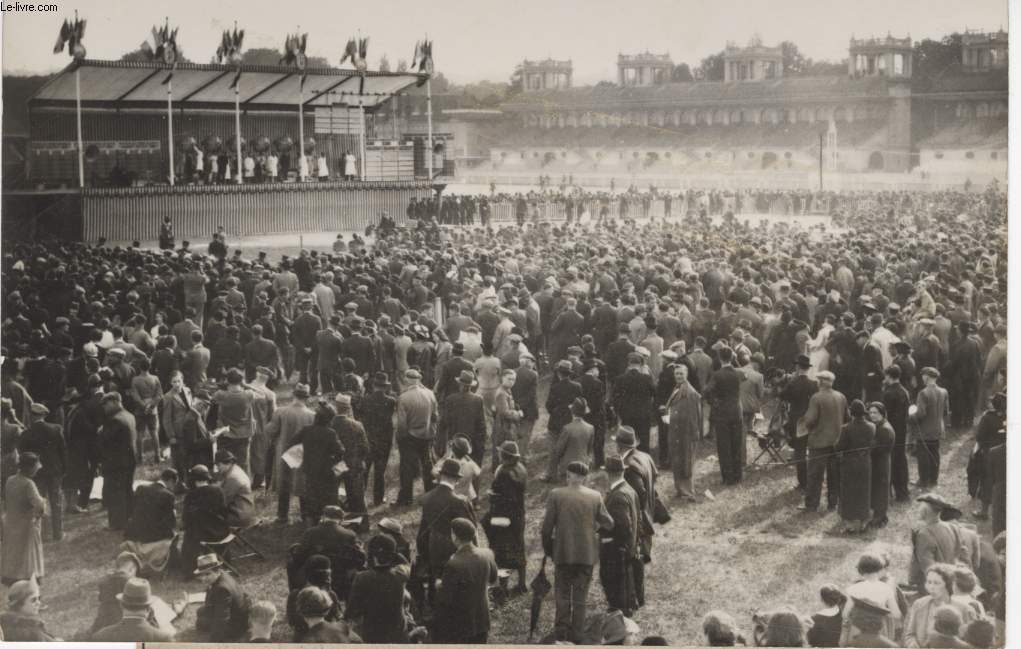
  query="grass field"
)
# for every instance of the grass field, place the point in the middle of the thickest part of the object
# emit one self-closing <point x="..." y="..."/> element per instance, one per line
<point x="747" y="549"/>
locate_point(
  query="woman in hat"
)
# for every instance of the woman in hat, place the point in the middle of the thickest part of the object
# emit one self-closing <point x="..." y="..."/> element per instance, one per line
<point x="10" y="431"/>
<point x="21" y="621"/>
<point x="882" y="452"/>
<point x="21" y="555"/>
<point x="853" y="449"/>
<point x="460" y="452"/>
<point x="504" y="523"/>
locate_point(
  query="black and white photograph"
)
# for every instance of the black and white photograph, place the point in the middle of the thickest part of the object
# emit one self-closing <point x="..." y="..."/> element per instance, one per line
<point x="665" y="322"/>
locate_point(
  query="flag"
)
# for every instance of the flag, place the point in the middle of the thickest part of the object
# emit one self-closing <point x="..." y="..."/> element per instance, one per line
<point x="237" y="79"/>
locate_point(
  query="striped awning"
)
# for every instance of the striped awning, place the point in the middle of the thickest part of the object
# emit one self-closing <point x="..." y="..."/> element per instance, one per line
<point x="136" y="84"/>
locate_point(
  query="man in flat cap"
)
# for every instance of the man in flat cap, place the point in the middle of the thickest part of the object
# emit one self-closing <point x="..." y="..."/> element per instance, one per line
<point x="574" y="515"/>
<point x="633" y="395"/>
<point x="723" y="393"/>
<point x="440" y="507"/>
<point x="47" y="441"/>
<point x="930" y="417"/>
<point x="618" y="550"/>
<point x="462" y="601"/>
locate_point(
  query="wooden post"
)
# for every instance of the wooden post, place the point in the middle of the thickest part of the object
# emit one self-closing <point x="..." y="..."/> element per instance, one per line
<point x="170" y="128"/>
<point x="78" y="112"/>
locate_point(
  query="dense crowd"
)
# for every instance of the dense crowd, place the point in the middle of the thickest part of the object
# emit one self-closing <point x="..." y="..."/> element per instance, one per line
<point x="854" y="347"/>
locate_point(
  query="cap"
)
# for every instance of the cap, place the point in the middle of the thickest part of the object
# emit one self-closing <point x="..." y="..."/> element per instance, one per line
<point x="462" y="528"/>
<point x="565" y="366"/>
<point x="466" y="377"/>
<point x="930" y="371"/>
<point x="391" y="525"/>
<point x="412" y="374"/>
<point x="343" y="400"/>
<point x="577" y="468"/>
<point x="301" y="390"/>
<point x="382" y="551"/>
<point x="199" y="472"/>
<point x="940" y="503"/>
<point x="510" y="449"/>
<point x="380" y="380"/>
<point x="870" y="606"/>
<point x="634" y="358"/>
<point x="313" y="602"/>
<point x="39" y="409"/>
<point x="332" y="513"/>
<point x="461" y="445"/>
<point x="803" y="361"/>
<point x="826" y="375"/>
<point x="223" y="456"/>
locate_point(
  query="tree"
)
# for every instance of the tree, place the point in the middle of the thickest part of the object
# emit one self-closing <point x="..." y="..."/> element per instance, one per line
<point x="824" y="68"/>
<point x="933" y="58"/>
<point x="384" y="64"/>
<point x="681" y="73"/>
<point x="794" y="62"/>
<point x="261" y="56"/>
<point x="402" y="65"/>
<point x="142" y="55"/>
<point x="440" y="84"/>
<point x="712" y="67"/>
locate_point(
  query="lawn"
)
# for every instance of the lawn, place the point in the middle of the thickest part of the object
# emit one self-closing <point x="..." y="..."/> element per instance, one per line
<point x="746" y="549"/>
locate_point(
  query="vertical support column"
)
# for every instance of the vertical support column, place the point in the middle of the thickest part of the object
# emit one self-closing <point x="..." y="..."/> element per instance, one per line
<point x="301" y="127"/>
<point x="78" y="114"/>
<point x="429" y="117"/>
<point x="237" y="131"/>
<point x="170" y="128"/>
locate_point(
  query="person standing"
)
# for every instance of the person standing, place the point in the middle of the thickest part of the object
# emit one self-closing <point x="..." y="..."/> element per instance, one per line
<point x="723" y="393"/>
<point x="684" y="428"/>
<point x="262" y="411"/>
<point x="356" y="450"/>
<point x="322" y="450"/>
<point x="440" y="506"/>
<point x="882" y="450"/>
<point x="796" y="394"/>
<point x="854" y="454"/>
<point x="633" y="396"/>
<point x="283" y="427"/>
<point x="21" y="554"/>
<point x="376" y="601"/>
<point x="507" y="501"/>
<point x="574" y="443"/>
<point x="416" y="430"/>
<point x="618" y="547"/>
<point x="47" y="441"/>
<point x="574" y="514"/>
<point x="462" y="602"/>
<point x="896" y="402"/>
<point x="594" y="391"/>
<point x="507" y="416"/>
<point x="822" y="424"/>
<point x="377" y="412"/>
<point x="235" y="412"/>
<point x="933" y="409"/>
<point x="463" y="415"/>
<point x="117" y="456"/>
<point x="640" y="472"/>
<point x="146" y="392"/>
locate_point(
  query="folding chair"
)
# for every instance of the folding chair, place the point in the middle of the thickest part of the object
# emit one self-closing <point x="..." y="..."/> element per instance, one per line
<point x="772" y="446"/>
<point x="236" y="537"/>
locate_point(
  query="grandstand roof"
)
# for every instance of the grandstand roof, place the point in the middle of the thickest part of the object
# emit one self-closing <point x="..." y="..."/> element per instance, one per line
<point x="694" y="93"/>
<point x="137" y="84"/>
<point x="960" y="82"/>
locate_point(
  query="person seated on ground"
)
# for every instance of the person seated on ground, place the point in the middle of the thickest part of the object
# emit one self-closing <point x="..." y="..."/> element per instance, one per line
<point x="460" y="452"/>
<point x="136" y="623"/>
<point x="260" y="621"/>
<point x="223" y="617"/>
<point x="781" y="628"/>
<point x="21" y="621"/>
<point x="152" y="525"/>
<point x="921" y="618"/>
<point x="204" y="517"/>
<point x="867" y="621"/>
<point x="317" y="573"/>
<point x="334" y="541"/>
<point x="378" y="602"/>
<point x="616" y="629"/>
<point x="720" y="631"/>
<point x="980" y="634"/>
<point x="392" y="527"/>
<point x="966" y="588"/>
<point x="873" y="587"/>
<point x="126" y="566"/>
<point x="946" y="624"/>
<point x="314" y="605"/>
<point x="237" y="490"/>
<point x="826" y="624"/>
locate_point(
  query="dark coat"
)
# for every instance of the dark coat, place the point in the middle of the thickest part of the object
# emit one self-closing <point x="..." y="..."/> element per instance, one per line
<point x="464" y="414"/>
<point x="354" y="441"/>
<point x="562" y="393"/>
<point x="565" y="331"/>
<point x="328" y="633"/>
<point x="204" y="519"/>
<point x="224" y="615"/>
<point x="132" y="629"/>
<point x="797" y="393"/>
<point x="322" y="450"/>
<point x="377" y="601"/>
<point x="640" y="472"/>
<point x="616" y="357"/>
<point x="440" y="506"/>
<point x="152" y="515"/>
<point x="853" y="447"/>
<point x="525" y="394"/>
<point x="462" y="603"/>
<point x="881" y="462"/>
<point x="377" y="415"/>
<point x="47" y="441"/>
<point x="109" y="611"/>
<point x="872" y="373"/>
<point x="117" y="443"/>
<point x="633" y="396"/>
<point x="507" y="499"/>
<point x="724" y="394"/>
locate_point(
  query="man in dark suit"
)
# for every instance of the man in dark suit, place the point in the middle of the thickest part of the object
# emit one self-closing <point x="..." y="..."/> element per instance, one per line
<point x="723" y="394"/>
<point x="462" y="603"/>
<point x="117" y="454"/>
<point x="328" y="343"/>
<point x="604" y="324"/>
<point x="152" y="516"/>
<point x="871" y="368"/>
<point x="963" y="375"/>
<point x="594" y="392"/>
<point x="640" y="473"/>
<point x="796" y="394"/>
<point x="618" y="547"/>
<point x="617" y="353"/>
<point x="439" y="507"/>
<point x="303" y="336"/>
<point x="446" y="382"/>
<point x="224" y="615"/>
<point x="463" y="413"/>
<point x="377" y="411"/>
<point x="633" y="397"/>
<point x="135" y="625"/>
<point x="897" y="401"/>
<point x="377" y="595"/>
<point x="565" y="331"/>
<point x="573" y="516"/>
<point x="47" y="441"/>
<point x="361" y="349"/>
<point x="332" y="540"/>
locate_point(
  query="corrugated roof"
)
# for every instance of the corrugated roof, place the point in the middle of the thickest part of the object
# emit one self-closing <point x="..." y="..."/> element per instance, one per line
<point x="138" y="84"/>
<point x="703" y="92"/>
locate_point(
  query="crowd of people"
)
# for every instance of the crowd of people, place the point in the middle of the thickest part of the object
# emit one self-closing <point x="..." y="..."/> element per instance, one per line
<point x="854" y="346"/>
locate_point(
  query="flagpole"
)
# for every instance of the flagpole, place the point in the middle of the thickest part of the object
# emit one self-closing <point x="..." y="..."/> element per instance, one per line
<point x="301" y="124"/>
<point x="237" y="127"/>
<point x="429" y="115"/>
<point x="170" y="127"/>
<point x="361" y="138"/>
<point x="78" y="111"/>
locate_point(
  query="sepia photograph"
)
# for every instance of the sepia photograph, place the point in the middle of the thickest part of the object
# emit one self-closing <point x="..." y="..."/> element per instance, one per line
<point x="665" y="322"/>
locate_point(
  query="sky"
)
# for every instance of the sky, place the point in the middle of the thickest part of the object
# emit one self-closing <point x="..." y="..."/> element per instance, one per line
<point x="485" y="39"/>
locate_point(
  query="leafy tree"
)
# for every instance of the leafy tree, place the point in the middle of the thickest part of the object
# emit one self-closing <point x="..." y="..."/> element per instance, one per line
<point x="384" y="64"/>
<point x="402" y="65"/>
<point x="712" y="67"/>
<point x="794" y="63"/>
<point x="933" y="58"/>
<point x="681" y="73"/>
<point x="261" y="56"/>
<point x="823" y="68"/>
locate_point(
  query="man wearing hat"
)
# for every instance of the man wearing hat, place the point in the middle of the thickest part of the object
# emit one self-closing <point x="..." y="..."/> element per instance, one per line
<point x="330" y="538"/>
<point x="223" y="617"/>
<point x="204" y="516"/>
<point x="573" y="444"/>
<point x="126" y="566"/>
<point x="933" y="409"/>
<point x="416" y="430"/>
<point x="47" y="441"/>
<point x="867" y="621"/>
<point x="933" y="539"/>
<point x="908" y="371"/>
<point x="117" y="455"/>
<point x="525" y="395"/>
<point x="618" y="548"/>
<point x="237" y="490"/>
<point x="617" y="353"/>
<point x="356" y="450"/>
<point x="376" y="602"/>
<point x="633" y="396"/>
<point x="440" y="506"/>
<point x="562" y="393"/>
<point x="566" y="330"/>
<point x="929" y="350"/>
<point x="723" y="393"/>
<point x="134" y="626"/>
<point x="318" y="572"/>
<point x="963" y="375"/>
<point x="446" y="382"/>
<point x="327" y="345"/>
<point x="378" y="409"/>
<point x="796" y="394"/>
<point x="303" y="336"/>
<point x="284" y="425"/>
<point x="822" y="422"/>
<point x="641" y="473"/>
<point x="574" y="514"/>
<point x="463" y="414"/>
<point x="462" y="602"/>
